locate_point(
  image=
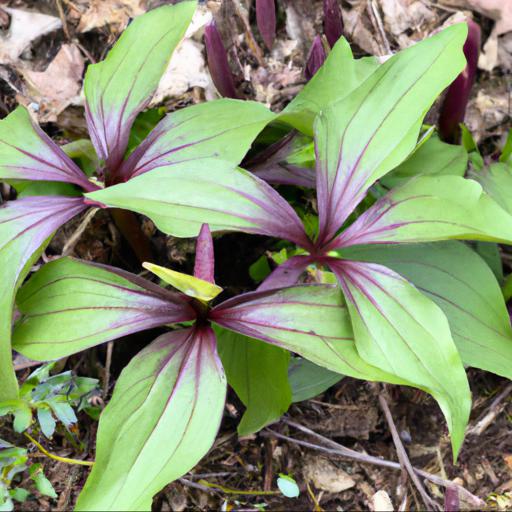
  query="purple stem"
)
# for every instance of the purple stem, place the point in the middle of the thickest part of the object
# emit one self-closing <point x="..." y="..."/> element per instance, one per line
<point x="333" y="21"/>
<point x="266" y="20"/>
<point x="451" y="499"/>
<point x="315" y="58"/>
<point x="218" y="62"/>
<point x="455" y="102"/>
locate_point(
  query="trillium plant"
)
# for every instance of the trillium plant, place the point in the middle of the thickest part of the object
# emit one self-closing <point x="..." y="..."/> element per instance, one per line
<point x="406" y="241"/>
<point x="414" y="309"/>
<point x="168" y="402"/>
<point x="192" y="140"/>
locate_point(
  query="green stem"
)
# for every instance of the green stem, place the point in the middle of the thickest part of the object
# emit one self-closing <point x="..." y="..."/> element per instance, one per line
<point x="44" y="451"/>
<point x="227" y="490"/>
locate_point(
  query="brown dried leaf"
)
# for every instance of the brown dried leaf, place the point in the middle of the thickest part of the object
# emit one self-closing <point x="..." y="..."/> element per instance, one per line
<point x="381" y="502"/>
<point x="498" y="10"/>
<point x="113" y="13"/>
<point x="56" y="87"/>
<point x="25" y="27"/>
<point x="357" y="31"/>
<point x="326" y="476"/>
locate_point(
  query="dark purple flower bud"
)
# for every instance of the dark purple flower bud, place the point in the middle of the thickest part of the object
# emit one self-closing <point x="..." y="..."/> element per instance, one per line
<point x="266" y="20"/>
<point x="218" y="62"/>
<point x="333" y="21"/>
<point x="204" y="267"/>
<point x="315" y="58"/>
<point x="451" y="499"/>
<point x="455" y="102"/>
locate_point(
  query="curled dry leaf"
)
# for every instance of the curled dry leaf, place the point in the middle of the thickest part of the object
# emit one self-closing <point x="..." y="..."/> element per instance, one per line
<point x="498" y="10"/>
<point x="186" y="70"/>
<point x="326" y="476"/>
<point x="187" y="67"/>
<point x="488" y="110"/>
<point x="401" y="17"/>
<point x="114" y="13"/>
<point x="381" y="502"/>
<point x="26" y="26"/>
<point x="358" y="29"/>
<point x="56" y="87"/>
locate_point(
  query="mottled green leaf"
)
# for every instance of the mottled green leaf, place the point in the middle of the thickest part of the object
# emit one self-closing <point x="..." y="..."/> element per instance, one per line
<point x="308" y="380"/>
<point x="496" y="180"/>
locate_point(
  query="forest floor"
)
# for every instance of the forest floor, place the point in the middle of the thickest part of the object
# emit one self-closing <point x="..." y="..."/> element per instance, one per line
<point x="42" y="61"/>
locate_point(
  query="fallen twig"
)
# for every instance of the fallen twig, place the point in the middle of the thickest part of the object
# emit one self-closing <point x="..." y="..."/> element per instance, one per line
<point x="493" y="410"/>
<point x="73" y="240"/>
<point x="405" y="463"/>
<point x="342" y="451"/>
<point x="203" y="485"/>
<point x="108" y="364"/>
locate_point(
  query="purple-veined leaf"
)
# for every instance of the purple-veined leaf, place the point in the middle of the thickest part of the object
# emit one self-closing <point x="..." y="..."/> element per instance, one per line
<point x="162" y="419"/>
<point x="27" y="153"/>
<point x="121" y="86"/>
<point x="25" y="227"/>
<point x="457" y="279"/>
<point x="69" y="306"/>
<point x="220" y="129"/>
<point x="402" y="332"/>
<point x="369" y="132"/>
<point x="204" y="266"/>
<point x="289" y="161"/>
<point x="218" y="63"/>
<point x="286" y="274"/>
<point x="311" y="320"/>
<point x="180" y="199"/>
<point x="428" y="209"/>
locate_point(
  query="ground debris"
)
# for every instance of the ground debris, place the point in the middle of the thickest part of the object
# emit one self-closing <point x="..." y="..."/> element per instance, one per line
<point x="51" y="91"/>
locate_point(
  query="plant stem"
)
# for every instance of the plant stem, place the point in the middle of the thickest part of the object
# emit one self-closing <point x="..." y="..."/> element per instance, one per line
<point x="342" y="451"/>
<point x="227" y="490"/>
<point x="129" y="227"/>
<point x="44" y="451"/>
